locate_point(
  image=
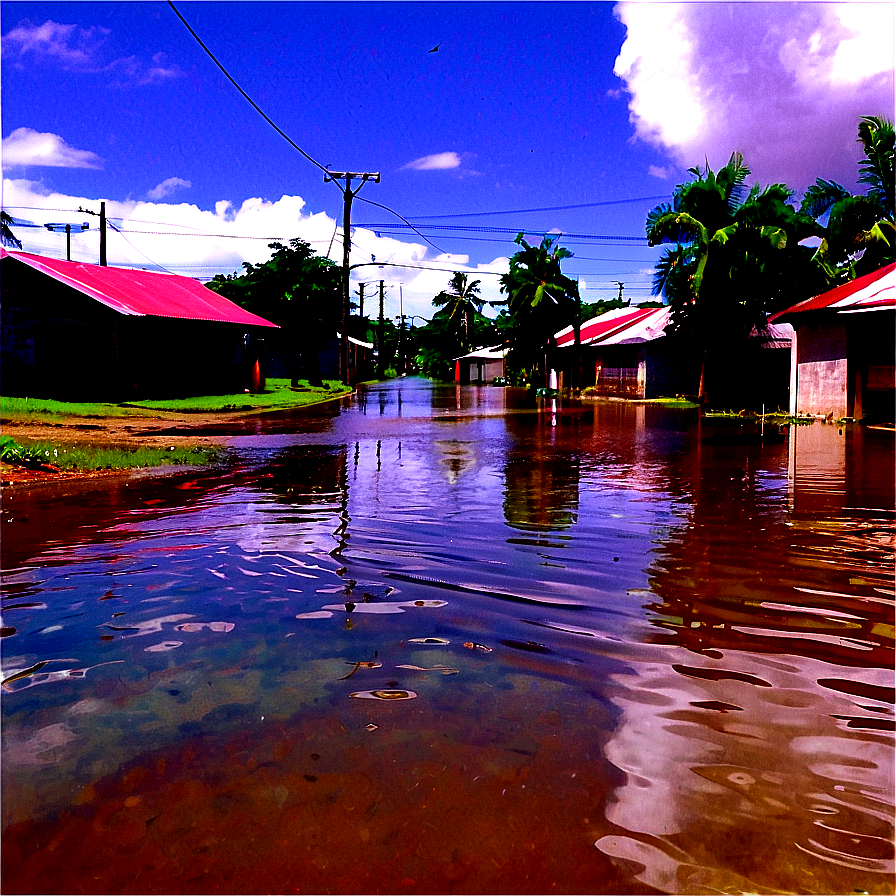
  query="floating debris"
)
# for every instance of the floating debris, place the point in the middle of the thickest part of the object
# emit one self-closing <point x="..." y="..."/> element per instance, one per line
<point x="24" y="673"/>
<point x="165" y="645"/>
<point x="34" y="676"/>
<point x="384" y="695"/>
<point x="7" y="630"/>
<point x="531" y="646"/>
<point x="365" y="664"/>
<point x="472" y="645"/>
<point x="445" y="670"/>
<point x="384" y="607"/>
<point x="371" y="727"/>
<point x="429" y="641"/>
<point x="199" y="626"/>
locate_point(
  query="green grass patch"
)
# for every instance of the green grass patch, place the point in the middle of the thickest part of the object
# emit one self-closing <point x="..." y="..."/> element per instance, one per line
<point x="89" y="458"/>
<point x="278" y="395"/>
<point x="18" y="408"/>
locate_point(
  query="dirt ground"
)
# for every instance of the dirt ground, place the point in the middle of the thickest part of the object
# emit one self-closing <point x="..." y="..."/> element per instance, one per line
<point x="161" y="429"/>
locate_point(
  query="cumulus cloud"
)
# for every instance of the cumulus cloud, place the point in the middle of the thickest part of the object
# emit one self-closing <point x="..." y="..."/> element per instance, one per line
<point x="437" y="162"/>
<point x="167" y="187"/>
<point x="782" y="83"/>
<point x="195" y="242"/>
<point x="26" y="147"/>
<point x="660" y="172"/>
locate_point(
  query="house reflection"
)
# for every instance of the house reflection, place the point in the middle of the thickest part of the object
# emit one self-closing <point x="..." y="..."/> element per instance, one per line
<point x="541" y="484"/>
<point x="753" y="734"/>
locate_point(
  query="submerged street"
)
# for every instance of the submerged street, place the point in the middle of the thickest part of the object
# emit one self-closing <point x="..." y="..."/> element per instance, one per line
<point x="439" y="639"/>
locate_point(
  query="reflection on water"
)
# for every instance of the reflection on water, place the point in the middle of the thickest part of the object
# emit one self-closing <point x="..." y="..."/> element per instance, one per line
<point x="445" y="640"/>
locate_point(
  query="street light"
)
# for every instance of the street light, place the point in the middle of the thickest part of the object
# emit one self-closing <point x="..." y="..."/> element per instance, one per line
<point x="68" y="235"/>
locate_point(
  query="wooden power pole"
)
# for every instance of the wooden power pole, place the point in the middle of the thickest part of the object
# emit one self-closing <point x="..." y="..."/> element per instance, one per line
<point x="347" y="194"/>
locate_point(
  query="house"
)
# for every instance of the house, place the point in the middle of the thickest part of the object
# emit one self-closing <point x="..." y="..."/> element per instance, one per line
<point x="86" y="332"/>
<point x="481" y="366"/>
<point x="842" y="355"/>
<point x="624" y="355"/>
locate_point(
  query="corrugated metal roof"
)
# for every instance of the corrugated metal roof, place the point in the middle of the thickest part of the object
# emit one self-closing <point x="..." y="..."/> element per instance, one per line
<point x="142" y="293"/>
<point x="605" y="327"/>
<point x="874" y="290"/>
<point x="487" y="354"/>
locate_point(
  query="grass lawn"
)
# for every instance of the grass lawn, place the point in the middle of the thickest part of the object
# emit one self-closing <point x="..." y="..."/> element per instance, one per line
<point x="278" y="395"/>
<point x="90" y="458"/>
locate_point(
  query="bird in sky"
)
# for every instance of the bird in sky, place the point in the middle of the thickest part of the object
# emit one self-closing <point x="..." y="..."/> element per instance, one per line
<point x="436" y="47"/>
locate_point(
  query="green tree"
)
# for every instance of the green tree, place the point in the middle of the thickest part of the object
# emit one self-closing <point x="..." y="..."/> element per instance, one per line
<point x="541" y="300"/>
<point x="859" y="234"/>
<point x="7" y="237"/>
<point x="296" y="289"/>
<point x="461" y="301"/>
<point x="731" y="259"/>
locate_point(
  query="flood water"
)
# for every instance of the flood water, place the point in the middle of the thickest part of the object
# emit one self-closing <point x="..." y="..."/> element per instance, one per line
<point x="432" y="640"/>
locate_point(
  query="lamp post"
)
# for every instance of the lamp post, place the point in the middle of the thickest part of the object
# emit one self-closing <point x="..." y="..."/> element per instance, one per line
<point x="68" y="234"/>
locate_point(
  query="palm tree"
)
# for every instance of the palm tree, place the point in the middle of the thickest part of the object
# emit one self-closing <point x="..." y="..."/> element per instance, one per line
<point x="859" y="236"/>
<point x="461" y="300"/>
<point x="540" y="299"/>
<point x="725" y="268"/>
<point x="7" y="237"/>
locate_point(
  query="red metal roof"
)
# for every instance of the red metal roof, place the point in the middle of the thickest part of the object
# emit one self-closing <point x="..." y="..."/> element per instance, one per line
<point x="142" y="293"/>
<point x="601" y="327"/>
<point x="871" y="290"/>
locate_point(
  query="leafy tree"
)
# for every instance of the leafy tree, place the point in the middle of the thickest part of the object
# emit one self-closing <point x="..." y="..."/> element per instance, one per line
<point x="540" y="301"/>
<point x="462" y="301"/>
<point x="859" y="236"/>
<point x="7" y="237"/>
<point x="730" y="260"/>
<point x="296" y="289"/>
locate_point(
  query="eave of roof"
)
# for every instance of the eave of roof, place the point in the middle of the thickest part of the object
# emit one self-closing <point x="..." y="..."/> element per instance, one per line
<point x="605" y="326"/>
<point x="874" y="290"/>
<point x="142" y="293"/>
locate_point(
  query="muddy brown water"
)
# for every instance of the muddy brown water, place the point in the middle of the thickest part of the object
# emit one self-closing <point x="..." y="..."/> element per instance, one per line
<point x="438" y="639"/>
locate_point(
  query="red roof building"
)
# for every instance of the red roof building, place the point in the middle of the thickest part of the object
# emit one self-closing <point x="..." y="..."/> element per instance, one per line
<point x="89" y="332"/>
<point x="842" y="354"/>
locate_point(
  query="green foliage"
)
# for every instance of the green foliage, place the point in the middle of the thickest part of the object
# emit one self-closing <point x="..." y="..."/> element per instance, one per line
<point x="541" y="300"/>
<point x="860" y="234"/>
<point x="278" y="394"/>
<point x="730" y="259"/>
<point x="296" y="289"/>
<point x="87" y="458"/>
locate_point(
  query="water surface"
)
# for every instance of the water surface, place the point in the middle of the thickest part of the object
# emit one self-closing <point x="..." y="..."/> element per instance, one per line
<point x="435" y="639"/>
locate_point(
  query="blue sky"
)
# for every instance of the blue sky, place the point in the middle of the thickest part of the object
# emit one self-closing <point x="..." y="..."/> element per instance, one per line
<point x="523" y="106"/>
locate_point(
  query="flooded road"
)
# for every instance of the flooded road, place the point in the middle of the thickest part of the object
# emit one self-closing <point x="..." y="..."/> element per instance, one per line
<point x="432" y="640"/>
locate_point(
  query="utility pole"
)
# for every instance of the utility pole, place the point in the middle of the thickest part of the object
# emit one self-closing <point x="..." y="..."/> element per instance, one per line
<point x="620" y="285"/>
<point x="379" y="339"/>
<point x="361" y="302"/>
<point x="347" y="194"/>
<point x="87" y="211"/>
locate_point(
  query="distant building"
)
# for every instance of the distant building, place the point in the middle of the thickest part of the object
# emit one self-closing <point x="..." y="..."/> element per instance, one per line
<point x="85" y="332"/>
<point x="842" y="357"/>
<point x="481" y="366"/>
<point x="624" y="355"/>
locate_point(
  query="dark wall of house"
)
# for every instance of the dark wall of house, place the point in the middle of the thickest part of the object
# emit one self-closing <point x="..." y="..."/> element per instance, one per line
<point x="59" y="343"/>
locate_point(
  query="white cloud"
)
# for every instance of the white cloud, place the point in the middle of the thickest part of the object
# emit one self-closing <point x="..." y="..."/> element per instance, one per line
<point x="167" y="187"/>
<point x="195" y="242"/>
<point x="78" y="49"/>
<point x="72" y="47"/>
<point x="660" y="172"/>
<point x="782" y="83"/>
<point x="440" y="161"/>
<point x="26" y="147"/>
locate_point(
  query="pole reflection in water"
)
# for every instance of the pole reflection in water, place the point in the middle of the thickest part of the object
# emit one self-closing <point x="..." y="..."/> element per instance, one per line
<point x="467" y="643"/>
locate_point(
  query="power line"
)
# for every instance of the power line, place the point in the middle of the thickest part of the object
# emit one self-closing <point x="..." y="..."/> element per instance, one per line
<point x="252" y="102"/>
<point x="547" y="208"/>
